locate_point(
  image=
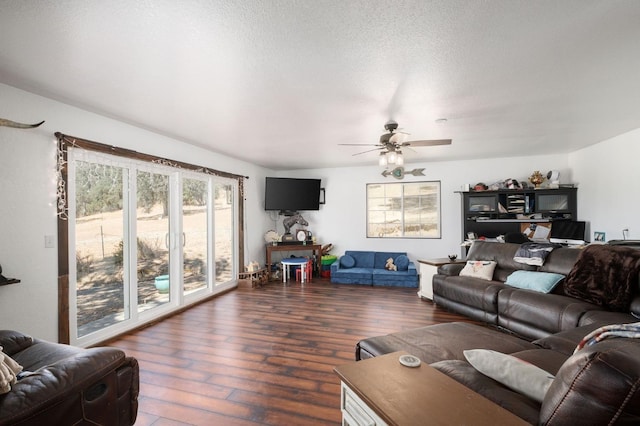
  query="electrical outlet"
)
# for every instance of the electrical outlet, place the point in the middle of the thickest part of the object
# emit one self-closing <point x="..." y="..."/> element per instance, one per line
<point x="49" y="241"/>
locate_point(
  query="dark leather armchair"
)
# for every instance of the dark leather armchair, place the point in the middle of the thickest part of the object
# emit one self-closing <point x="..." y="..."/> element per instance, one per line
<point x="66" y="385"/>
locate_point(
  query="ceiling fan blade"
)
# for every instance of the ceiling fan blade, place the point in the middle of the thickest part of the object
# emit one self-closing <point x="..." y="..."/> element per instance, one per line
<point x="370" y="150"/>
<point x="398" y="137"/>
<point x="432" y="142"/>
<point x="359" y="144"/>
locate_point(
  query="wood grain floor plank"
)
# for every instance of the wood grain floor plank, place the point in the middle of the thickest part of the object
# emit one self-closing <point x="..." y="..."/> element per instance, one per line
<point x="265" y="356"/>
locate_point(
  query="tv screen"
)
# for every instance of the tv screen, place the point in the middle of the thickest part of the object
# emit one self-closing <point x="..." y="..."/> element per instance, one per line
<point x="289" y="194"/>
<point x="567" y="232"/>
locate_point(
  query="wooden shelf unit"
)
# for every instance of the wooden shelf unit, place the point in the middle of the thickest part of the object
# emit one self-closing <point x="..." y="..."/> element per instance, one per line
<point x="493" y="213"/>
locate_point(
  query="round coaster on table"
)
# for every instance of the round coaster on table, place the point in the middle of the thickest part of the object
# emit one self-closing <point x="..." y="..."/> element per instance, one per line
<point x="409" y="361"/>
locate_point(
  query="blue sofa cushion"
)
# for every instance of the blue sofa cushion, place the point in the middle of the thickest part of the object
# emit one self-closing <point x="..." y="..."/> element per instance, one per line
<point x="382" y="256"/>
<point x="402" y="262"/>
<point x="364" y="259"/>
<point x="354" y="273"/>
<point x="407" y="278"/>
<point x="347" y="261"/>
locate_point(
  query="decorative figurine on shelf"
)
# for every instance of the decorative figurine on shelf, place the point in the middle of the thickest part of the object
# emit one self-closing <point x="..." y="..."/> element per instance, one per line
<point x="289" y="221"/>
<point x="536" y="178"/>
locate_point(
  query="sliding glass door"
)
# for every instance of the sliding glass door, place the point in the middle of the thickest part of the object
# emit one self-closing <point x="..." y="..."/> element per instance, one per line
<point x="195" y="234"/>
<point x="152" y="240"/>
<point x="101" y="294"/>
<point x="147" y="239"/>
<point x="223" y="208"/>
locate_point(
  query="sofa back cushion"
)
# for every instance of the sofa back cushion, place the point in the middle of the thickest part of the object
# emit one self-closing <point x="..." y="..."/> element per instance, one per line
<point x="596" y="386"/>
<point x="363" y="259"/>
<point x="560" y="260"/>
<point x="502" y="254"/>
<point x="382" y="256"/>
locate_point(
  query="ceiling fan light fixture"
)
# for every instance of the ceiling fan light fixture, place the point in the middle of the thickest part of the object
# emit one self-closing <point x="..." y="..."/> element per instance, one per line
<point x="392" y="157"/>
<point x="382" y="159"/>
<point x="399" y="159"/>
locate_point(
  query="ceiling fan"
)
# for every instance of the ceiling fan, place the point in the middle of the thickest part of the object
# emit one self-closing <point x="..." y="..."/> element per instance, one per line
<point x="391" y="144"/>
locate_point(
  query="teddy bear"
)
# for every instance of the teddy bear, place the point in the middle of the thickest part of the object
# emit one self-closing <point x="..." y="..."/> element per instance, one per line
<point x="390" y="266"/>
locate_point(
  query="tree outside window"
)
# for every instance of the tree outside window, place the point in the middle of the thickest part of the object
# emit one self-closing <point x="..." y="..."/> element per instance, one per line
<point x="403" y="210"/>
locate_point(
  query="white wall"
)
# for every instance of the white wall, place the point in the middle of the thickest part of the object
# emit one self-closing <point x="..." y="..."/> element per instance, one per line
<point x="606" y="174"/>
<point x="27" y="198"/>
<point x="341" y="221"/>
<point x="609" y="174"/>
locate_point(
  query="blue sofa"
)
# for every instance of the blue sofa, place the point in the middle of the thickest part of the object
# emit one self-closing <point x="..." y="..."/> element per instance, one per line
<point x="368" y="268"/>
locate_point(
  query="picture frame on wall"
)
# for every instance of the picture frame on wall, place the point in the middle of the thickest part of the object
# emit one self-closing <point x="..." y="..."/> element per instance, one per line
<point x="599" y="237"/>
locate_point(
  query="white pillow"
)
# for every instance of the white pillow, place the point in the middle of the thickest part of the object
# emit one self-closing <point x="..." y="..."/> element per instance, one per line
<point x="514" y="373"/>
<point x="482" y="269"/>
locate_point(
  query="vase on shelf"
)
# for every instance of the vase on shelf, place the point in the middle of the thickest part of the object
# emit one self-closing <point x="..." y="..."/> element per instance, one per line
<point x="536" y="179"/>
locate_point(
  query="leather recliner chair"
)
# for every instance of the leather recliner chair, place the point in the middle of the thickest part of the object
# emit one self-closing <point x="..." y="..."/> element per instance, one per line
<point x="67" y="385"/>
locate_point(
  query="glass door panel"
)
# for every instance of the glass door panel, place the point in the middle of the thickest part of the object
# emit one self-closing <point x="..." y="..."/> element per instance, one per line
<point x="101" y="299"/>
<point x="152" y="227"/>
<point x="194" y="234"/>
<point x="223" y="232"/>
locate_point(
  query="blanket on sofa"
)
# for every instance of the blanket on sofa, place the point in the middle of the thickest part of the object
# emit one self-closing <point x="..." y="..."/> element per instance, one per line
<point x="9" y="370"/>
<point x="534" y="253"/>
<point x="605" y="275"/>
<point x="631" y="331"/>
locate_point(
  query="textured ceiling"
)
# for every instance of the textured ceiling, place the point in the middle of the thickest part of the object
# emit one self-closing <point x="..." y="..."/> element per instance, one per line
<point x="281" y="83"/>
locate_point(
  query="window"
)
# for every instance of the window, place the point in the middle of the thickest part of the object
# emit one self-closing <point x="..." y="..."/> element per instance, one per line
<point x="145" y="237"/>
<point x="403" y="210"/>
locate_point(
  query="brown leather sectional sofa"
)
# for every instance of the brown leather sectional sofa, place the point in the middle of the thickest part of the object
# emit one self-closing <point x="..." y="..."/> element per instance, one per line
<point x="599" y="384"/>
<point x="66" y="385"/>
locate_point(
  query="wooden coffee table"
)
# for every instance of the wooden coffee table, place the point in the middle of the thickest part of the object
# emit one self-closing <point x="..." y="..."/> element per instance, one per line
<point x="381" y="391"/>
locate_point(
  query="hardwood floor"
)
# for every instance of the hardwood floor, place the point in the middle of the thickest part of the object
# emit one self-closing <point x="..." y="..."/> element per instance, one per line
<point x="265" y="356"/>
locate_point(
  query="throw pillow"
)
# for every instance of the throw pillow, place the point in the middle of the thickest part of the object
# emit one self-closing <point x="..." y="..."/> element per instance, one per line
<point x="482" y="269"/>
<point x="514" y="373"/>
<point x="542" y="282"/>
<point x="9" y="370"/>
<point x="347" y="261"/>
<point x="402" y="262"/>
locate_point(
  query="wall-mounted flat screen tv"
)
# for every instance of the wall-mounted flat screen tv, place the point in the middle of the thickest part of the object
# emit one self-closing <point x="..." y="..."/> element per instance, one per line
<point x="291" y="194"/>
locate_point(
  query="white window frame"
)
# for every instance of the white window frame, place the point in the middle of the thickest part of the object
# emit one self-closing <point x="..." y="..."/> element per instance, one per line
<point x="402" y="211"/>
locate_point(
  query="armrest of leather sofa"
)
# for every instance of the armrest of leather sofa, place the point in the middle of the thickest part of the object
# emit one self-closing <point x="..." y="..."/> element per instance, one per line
<point x="596" y="386"/>
<point x="69" y="388"/>
<point x="13" y="342"/>
<point x="451" y="269"/>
